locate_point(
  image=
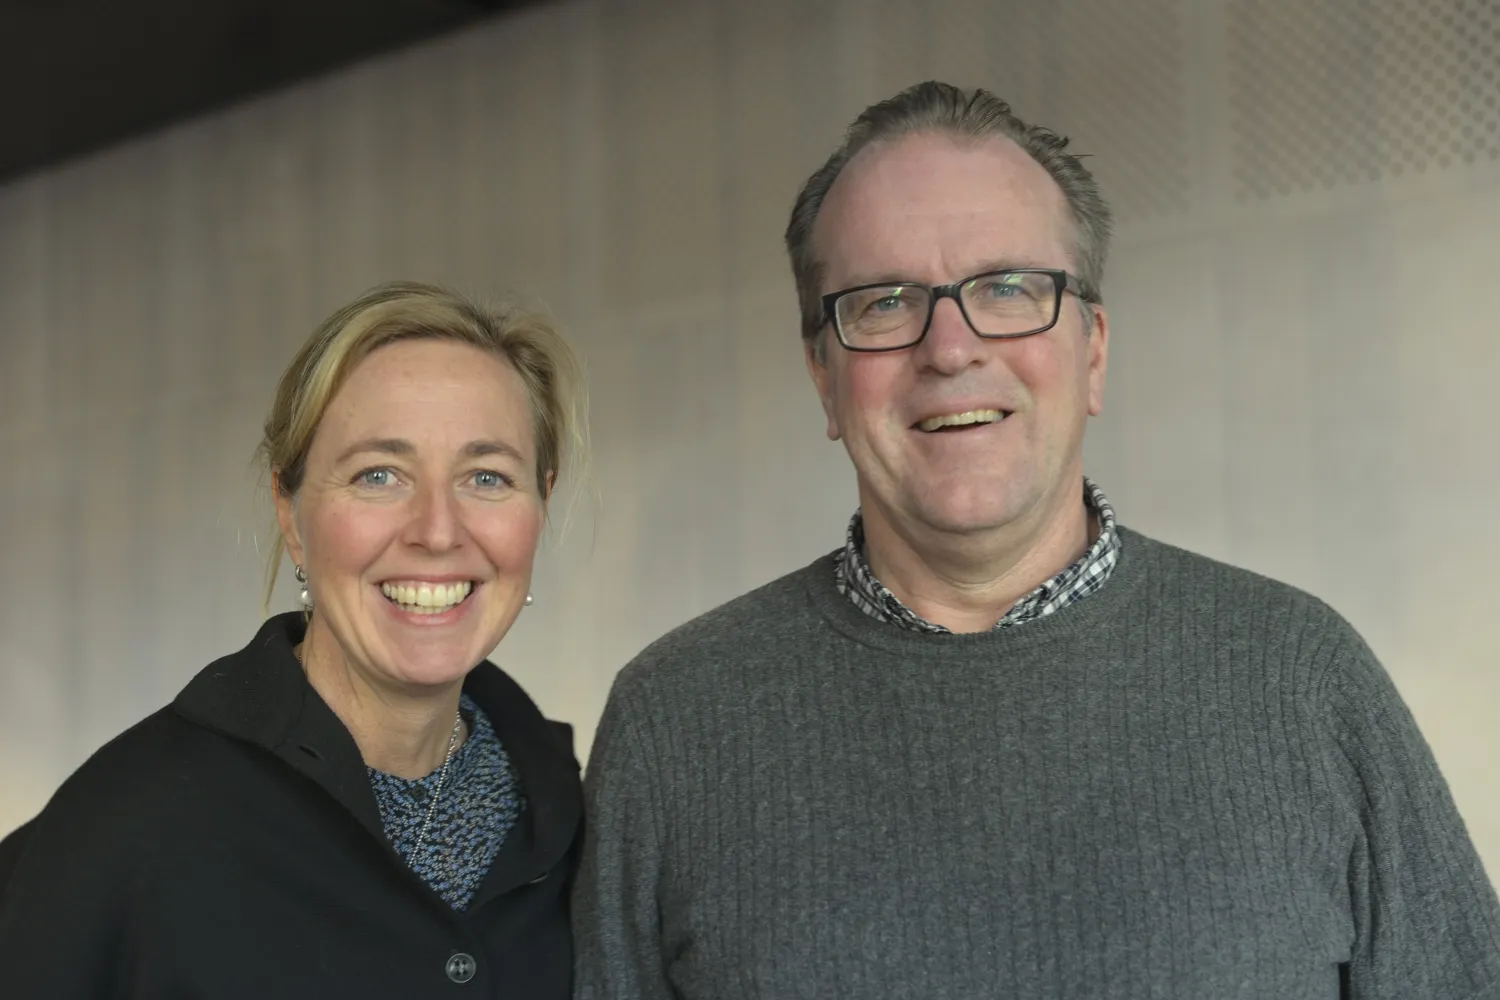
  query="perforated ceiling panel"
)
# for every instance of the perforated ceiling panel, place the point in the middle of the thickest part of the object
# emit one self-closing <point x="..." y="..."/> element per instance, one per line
<point x="1123" y="76"/>
<point x="1108" y="74"/>
<point x="1326" y="93"/>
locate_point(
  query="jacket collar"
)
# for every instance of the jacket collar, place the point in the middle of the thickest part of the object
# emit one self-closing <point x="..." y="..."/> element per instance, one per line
<point x="260" y="696"/>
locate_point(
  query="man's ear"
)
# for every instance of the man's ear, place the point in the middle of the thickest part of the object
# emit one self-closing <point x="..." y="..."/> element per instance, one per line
<point x="818" y="369"/>
<point x="1098" y="357"/>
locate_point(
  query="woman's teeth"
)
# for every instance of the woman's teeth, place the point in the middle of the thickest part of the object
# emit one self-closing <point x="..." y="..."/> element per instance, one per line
<point x="427" y="598"/>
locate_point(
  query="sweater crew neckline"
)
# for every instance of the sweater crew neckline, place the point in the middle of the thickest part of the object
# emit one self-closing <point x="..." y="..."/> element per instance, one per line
<point x="1123" y="590"/>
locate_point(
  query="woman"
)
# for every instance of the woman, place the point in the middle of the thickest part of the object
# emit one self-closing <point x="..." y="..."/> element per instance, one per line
<point x="348" y="806"/>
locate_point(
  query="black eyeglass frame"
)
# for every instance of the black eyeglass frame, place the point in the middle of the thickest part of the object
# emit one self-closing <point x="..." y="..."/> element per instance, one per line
<point x="1062" y="281"/>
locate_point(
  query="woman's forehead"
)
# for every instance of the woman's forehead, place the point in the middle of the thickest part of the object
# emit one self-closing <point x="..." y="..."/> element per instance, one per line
<point x="431" y="393"/>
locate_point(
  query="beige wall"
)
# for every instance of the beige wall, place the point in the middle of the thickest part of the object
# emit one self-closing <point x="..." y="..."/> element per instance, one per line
<point x="1305" y="348"/>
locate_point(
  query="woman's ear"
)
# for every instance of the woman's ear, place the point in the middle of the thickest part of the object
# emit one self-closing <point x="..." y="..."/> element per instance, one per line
<point x="286" y="518"/>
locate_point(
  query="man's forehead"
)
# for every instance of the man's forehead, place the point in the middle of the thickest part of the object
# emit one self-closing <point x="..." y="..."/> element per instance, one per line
<point x="927" y="204"/>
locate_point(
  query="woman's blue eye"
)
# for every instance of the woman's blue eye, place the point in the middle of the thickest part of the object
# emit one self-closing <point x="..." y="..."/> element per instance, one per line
<point x="375" y="477"/>
<point x="490" y="480"/>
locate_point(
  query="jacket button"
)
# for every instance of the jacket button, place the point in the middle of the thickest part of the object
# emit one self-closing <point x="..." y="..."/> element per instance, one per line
<point x="461" y="967"/>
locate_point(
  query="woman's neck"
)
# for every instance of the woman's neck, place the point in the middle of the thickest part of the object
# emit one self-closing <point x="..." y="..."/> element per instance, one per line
<point x="398" y="732"/>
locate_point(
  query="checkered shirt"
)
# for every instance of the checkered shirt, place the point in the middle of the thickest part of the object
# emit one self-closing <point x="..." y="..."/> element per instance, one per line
<point x="856" y="581"/>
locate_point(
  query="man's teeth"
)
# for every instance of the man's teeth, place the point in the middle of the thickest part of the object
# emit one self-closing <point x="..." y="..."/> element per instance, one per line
<point x="961" y="419"/>
<point x="427" y="598"/>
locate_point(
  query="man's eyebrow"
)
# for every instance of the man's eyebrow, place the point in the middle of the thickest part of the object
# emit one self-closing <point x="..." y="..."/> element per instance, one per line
<point x="984" y="267"/>
<point x="1008" y="264"/>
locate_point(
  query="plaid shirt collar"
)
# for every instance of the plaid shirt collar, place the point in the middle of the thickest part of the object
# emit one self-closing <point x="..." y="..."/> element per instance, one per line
<point x="856" y="581"/>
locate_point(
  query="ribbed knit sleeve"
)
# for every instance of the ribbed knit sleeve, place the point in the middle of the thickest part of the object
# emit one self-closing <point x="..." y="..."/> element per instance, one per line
<point x="1427" y="923"/>
<point x="616" y="918"/>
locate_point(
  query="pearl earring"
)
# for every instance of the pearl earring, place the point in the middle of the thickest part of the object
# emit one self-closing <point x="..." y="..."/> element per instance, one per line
<point x="529" y="599"/>
<point x="304" y="596"/>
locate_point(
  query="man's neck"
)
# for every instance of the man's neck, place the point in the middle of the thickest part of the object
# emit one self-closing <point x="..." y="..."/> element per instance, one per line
<point x="967" y="582"/>
<point x="397" y="731"/>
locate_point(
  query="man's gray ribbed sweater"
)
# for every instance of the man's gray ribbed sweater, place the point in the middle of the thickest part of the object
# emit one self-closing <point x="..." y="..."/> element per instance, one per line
<point x="1195" y="784"/>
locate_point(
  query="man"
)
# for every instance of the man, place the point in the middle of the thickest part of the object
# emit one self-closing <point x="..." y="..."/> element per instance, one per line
<point x="998" y="745"/>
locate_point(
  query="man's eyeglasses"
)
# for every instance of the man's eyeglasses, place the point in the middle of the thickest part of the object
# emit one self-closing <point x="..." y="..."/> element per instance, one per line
<point x="998" y="305"/>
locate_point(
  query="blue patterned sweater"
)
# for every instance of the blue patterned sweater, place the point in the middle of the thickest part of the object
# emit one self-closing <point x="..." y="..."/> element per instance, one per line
<point x="480" y="804"/>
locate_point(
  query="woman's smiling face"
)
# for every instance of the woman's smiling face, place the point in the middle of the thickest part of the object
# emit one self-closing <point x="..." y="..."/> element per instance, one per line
<point x="420" y="511"/>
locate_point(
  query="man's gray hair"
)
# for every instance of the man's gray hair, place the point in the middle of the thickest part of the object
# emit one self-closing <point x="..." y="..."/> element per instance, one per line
<point x="944" y="108"/>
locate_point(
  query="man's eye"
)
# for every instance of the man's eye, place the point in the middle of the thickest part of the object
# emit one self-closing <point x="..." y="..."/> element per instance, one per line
<point x="1001" y="289"/>
<point x="893" y="301"/>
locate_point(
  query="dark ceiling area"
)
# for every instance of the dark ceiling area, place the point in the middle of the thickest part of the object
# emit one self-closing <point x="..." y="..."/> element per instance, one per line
<point x="79" y="75"/>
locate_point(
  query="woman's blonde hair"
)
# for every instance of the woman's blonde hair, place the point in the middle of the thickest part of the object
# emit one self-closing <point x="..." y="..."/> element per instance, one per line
<point x="527" y="340"/>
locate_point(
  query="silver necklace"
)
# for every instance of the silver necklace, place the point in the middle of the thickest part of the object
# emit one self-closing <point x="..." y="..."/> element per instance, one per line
<point x="458" y="725"/>
<point x="458" y="722"/>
